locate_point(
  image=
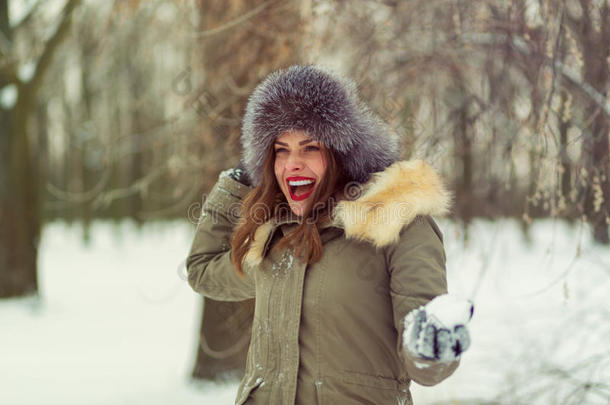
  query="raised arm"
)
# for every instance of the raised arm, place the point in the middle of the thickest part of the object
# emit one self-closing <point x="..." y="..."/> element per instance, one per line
<point x="417" y="271"/>
<point x="209" y="267"/>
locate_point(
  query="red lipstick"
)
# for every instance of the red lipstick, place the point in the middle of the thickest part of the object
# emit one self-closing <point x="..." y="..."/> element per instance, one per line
<point x="302" y="196"/>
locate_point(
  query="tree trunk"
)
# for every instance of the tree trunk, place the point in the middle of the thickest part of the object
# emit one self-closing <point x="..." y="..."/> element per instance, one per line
<point x="19" y="212"/>
<point x="235" y="59"/>
<point x="595" y="146"/>
<point x="20" y="181"/>
<point x="564" y="119"/>
<point x="224" y="336"/>
<point x="462" y="134"/>
<point x="566" y="167"/>
<point x="465" y="186"/>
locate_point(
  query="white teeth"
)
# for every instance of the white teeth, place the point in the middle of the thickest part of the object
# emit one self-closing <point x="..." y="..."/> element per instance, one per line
<point x="300" y="182"/>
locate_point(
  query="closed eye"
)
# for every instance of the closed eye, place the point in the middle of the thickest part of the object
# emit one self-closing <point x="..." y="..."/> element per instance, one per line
<point x="309" y="148"/>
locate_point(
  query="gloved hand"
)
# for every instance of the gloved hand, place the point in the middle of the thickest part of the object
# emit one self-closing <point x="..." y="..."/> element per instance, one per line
<point x="239" y="173"/>
<point x="437" y="331"/>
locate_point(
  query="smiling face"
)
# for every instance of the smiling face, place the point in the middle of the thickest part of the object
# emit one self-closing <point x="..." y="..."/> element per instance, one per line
<point x="299" y="167"/>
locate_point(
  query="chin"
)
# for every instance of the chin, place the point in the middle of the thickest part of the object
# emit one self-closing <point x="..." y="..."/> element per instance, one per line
<point x="298" y="210"/>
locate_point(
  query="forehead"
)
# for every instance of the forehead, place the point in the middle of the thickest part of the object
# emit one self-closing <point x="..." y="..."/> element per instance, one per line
<point x="295" y="137"/>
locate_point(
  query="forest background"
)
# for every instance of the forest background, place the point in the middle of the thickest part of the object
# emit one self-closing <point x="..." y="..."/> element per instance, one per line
<point x="128" y="109"/>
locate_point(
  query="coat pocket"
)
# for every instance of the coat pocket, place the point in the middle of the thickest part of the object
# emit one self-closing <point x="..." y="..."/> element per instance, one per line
<point x="376" y="389"/>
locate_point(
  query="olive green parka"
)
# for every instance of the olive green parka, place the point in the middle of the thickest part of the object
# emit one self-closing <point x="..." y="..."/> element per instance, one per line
<point x="330" y="332"/>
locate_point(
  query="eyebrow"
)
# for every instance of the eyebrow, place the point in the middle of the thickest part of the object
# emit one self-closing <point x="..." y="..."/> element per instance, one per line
<point x="300" y="143"/>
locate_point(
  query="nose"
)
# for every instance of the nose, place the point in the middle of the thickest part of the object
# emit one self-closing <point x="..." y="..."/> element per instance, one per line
<point x="294" y="162"/>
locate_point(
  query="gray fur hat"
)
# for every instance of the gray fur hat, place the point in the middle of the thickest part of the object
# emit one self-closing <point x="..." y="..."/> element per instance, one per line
<point x="325" y="106"/>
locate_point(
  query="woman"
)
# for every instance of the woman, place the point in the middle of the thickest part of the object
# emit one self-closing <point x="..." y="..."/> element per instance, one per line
<point x="333" y="238"/>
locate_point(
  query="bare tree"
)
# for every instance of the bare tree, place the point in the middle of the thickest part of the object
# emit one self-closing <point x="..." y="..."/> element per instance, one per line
<point x="592" y="32"/>
<point x="241" y="42"/>
<point x="530" y="78"/>
<point x="20" y="199"/>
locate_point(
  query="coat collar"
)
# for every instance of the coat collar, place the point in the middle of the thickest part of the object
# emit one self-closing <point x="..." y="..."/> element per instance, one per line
<point x="390" y="200"/>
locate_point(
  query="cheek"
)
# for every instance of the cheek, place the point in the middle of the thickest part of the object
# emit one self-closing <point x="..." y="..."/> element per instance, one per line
<point x="278" y="171"/>
<point x="321" y="166"/>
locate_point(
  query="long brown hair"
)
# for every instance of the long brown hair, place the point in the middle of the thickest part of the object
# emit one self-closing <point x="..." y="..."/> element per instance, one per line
<point x="267" y="201"/>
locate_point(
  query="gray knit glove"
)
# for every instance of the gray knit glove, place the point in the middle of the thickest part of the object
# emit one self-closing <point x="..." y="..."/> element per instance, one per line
<point x="239" y="173"/>
<point x="438" y="331"/>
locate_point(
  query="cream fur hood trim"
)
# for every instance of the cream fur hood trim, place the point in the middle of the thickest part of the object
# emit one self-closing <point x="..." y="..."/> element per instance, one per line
<point x="390" y="200"/>
<point x="255" y="254"/>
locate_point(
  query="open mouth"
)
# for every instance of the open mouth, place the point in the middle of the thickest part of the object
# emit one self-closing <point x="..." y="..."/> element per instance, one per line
<point x="300" y="187"/>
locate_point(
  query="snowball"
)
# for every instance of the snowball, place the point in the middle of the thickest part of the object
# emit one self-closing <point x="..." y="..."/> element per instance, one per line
<point x="450" y="310"/>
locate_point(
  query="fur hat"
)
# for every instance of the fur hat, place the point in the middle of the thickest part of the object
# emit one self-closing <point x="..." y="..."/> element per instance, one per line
<point x="325" y="106"/>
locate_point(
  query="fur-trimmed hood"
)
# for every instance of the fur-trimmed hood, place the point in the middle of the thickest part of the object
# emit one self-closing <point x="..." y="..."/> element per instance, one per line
<point x="389" y="201"/>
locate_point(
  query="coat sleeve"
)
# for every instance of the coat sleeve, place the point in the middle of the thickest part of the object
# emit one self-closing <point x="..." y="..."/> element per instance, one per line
<point x="209" y="267"/>
<point x="417" y="274"/>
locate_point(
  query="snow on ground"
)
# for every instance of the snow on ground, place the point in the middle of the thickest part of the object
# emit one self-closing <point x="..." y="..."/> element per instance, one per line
<point x="541" y="320"/>
<point x="116" y="322"/>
